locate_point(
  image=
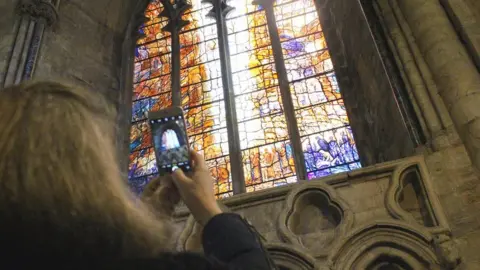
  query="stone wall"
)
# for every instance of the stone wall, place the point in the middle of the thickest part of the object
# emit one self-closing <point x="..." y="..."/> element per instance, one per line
<point x="465" y="16"/>
<point x="8" y="20"/>
<point x="458" y="187"/>
<point x="84" y="47"/>
<point x="339" y="221"/>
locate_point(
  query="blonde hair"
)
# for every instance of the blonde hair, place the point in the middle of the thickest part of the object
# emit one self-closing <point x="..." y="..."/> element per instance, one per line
<point x="61" y="191"/>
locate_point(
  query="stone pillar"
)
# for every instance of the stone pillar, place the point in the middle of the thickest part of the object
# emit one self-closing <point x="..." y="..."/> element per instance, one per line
<point x="465" y="15"/>
<point x="454" y="72"/>
<point x="423" y="91"/>
<point x="36" y="15"/>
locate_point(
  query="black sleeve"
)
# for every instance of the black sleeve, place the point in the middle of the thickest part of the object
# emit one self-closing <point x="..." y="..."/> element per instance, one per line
<point x="228" y="238"/>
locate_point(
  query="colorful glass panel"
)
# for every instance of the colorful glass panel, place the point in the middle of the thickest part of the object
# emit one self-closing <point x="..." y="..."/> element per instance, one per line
<point x="267" y="155"/>
<point x="142" y="163"/>
<point x="220" y="169"/>
<point x="323" y="124"/>
<point x="264" y="137"/>
<point x="202" y="94"/>
<point x="268" y="164"/>
<point x="330" y="151"/>
<point x="151" y="91"/>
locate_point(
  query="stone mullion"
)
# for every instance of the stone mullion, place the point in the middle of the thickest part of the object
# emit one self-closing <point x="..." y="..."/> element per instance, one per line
<point x="174" y="13"/>
<point x="284" y="86"/>
<point x="219" y="12"/>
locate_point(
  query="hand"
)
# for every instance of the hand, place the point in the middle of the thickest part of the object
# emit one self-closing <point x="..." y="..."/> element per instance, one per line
<point x="162" y="195"/>
<point x="197" y="190"/>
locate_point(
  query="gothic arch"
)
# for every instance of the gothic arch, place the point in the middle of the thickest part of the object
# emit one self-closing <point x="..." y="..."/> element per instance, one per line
<point x="288" y="257"/>
<point x="432" y="207"/>
<point x="382" y="241"/>
<point x="309" y="137"/>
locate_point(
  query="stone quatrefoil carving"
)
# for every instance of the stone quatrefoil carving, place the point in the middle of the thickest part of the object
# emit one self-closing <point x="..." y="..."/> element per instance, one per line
<point x="313" y="217"/>
<point x="316" y="223"/>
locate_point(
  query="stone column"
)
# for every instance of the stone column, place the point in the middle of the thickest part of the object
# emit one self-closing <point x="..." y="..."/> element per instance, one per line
<point x="465" y="15"/>
<point x="454" y="72"/>
<point x="36" y="15"/>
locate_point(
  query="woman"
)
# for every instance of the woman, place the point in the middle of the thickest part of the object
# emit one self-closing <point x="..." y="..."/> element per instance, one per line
<point x="62" y="197"/>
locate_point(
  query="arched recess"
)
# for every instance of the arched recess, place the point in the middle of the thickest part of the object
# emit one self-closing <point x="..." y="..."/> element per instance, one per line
<point x="385" y="243"/>
<point x="287" y="257"/>
<point x="411" y="197"/>
<point x="313" y="217"/>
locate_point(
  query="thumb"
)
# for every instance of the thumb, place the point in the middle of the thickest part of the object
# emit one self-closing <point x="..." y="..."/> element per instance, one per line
<point x="179" y="177"/>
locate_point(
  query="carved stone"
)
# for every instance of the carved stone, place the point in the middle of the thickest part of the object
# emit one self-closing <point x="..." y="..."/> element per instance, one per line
<point x="447" y="251"/>
<point x="174" y="13"/>
<point x="314" y="211"/>
<point x="40" y="9"/>
<point x="36" y="15"/>
<point x="370" y="244"/>
<point x="345" y="221"/>
<point x="430" y="203"/>
<point x="289" y="257"/>
<point x="224" y="7"/>
<point x="456" y="76"/>
<point x="422" y="90"/>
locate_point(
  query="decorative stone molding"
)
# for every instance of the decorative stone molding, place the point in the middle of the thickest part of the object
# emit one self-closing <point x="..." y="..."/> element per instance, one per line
<point x="385" y="240"/>
<point x="455" y="75"/>
<point x="422" y="90"/>
<point x="224" y="8"/>
<point x="40" y="9"/>
<point x="289" y="257"/>
<point x="174" y="12"/>
<point x="431" y="202"/>
<point x="326" y="201"/>
<point x="36" y="15"/>
<point x="447" y="251"/>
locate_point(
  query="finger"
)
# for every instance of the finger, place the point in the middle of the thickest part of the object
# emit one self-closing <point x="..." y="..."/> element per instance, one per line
<point x="179" y="177"/>
<point x="170" y="194"/>
<point x="198" y="160"/>
<point x="167" y="182"/>
<point x="154" y="183"/>
<point x="151" y="187"/>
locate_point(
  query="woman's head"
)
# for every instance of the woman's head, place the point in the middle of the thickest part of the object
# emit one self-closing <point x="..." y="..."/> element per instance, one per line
<point x="59" y="179"/>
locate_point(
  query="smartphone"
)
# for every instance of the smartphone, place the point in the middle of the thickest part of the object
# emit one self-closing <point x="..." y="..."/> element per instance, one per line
<point x="170" y="139"/>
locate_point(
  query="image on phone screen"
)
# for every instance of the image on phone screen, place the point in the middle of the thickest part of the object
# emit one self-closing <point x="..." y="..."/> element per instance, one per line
<point x="170" y="142"/>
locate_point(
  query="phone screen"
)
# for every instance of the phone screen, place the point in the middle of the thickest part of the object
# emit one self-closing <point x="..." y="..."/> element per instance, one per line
<point x="171" y="143"/>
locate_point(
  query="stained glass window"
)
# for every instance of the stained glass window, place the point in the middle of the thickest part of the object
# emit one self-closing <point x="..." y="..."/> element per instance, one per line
<point x="290" y="65"/>
<point x="202" y="94"/>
